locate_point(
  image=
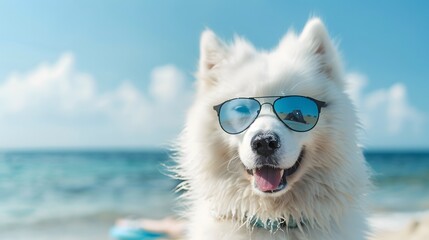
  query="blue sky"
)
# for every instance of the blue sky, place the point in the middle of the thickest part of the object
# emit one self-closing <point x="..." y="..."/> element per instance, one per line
<point x="99" y="74"/>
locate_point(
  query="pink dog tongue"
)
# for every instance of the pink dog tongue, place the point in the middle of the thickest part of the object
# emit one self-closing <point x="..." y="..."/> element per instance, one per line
<point x="267" y="178"/>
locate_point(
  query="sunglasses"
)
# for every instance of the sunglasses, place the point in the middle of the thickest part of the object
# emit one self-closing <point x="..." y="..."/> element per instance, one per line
<point x="298" y="113"/>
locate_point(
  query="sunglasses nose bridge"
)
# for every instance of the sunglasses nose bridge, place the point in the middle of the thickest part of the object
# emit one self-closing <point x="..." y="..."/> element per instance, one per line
<point x="267" y="108"/>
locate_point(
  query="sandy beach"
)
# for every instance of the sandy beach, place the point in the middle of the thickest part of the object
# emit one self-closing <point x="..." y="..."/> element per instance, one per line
<point x="400" y="227"/>
<point x="417" y="229"/>
<point x="412" y="229"/>
<point x="70" y="230"/>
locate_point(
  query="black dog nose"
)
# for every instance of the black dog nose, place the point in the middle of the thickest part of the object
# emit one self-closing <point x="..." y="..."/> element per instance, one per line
<point x="265" y="144"/>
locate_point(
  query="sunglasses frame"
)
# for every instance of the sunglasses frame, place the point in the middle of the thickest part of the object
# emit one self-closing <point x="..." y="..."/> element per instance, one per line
<point x="319" y="104"/>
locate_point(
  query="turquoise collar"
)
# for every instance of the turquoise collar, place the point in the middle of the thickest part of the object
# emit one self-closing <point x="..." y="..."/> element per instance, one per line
<point x="274" y="225"/>
<point x="271" y="225"/>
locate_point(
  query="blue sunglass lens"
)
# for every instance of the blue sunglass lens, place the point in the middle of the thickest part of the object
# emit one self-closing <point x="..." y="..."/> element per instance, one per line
<point x="298" y="113"/>
<point x="236" y="115"/>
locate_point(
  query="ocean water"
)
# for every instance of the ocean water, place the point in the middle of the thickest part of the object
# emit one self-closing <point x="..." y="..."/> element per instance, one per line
<point x="401" y="181"/>
<point x="55" y="195"/>
<point x="63" y="192"/>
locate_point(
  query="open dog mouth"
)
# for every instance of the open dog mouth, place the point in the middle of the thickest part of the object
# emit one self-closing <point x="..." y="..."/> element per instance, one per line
<point x="270" y="179"/>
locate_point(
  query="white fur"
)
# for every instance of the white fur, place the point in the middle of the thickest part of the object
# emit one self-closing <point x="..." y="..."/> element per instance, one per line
<point x="328" y="189"/>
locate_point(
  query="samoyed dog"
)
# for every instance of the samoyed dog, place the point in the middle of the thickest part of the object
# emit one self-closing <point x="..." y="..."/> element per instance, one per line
<point x="269" y="150"/>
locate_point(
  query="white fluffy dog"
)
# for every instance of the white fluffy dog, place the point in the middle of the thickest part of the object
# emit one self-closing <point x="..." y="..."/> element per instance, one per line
<point x="263" y="168"/>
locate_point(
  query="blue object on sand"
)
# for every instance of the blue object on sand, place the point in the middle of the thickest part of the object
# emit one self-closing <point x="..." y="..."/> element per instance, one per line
<point x="132" y="233"/>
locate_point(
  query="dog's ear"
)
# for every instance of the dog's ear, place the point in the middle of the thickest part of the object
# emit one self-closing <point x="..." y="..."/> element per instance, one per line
<point x="321" y="46"/>
<point x="212" y="52"/>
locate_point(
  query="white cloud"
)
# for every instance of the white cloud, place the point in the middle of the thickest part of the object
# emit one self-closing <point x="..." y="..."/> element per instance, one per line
<point x="58" y="101"/>
<point x="166" y="83"/>
<point x="44" y="87"/>
<point x="385" y="112"/>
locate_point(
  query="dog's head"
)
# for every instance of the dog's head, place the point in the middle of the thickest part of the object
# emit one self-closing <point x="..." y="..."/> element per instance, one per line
<point x="269" y="157"/>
